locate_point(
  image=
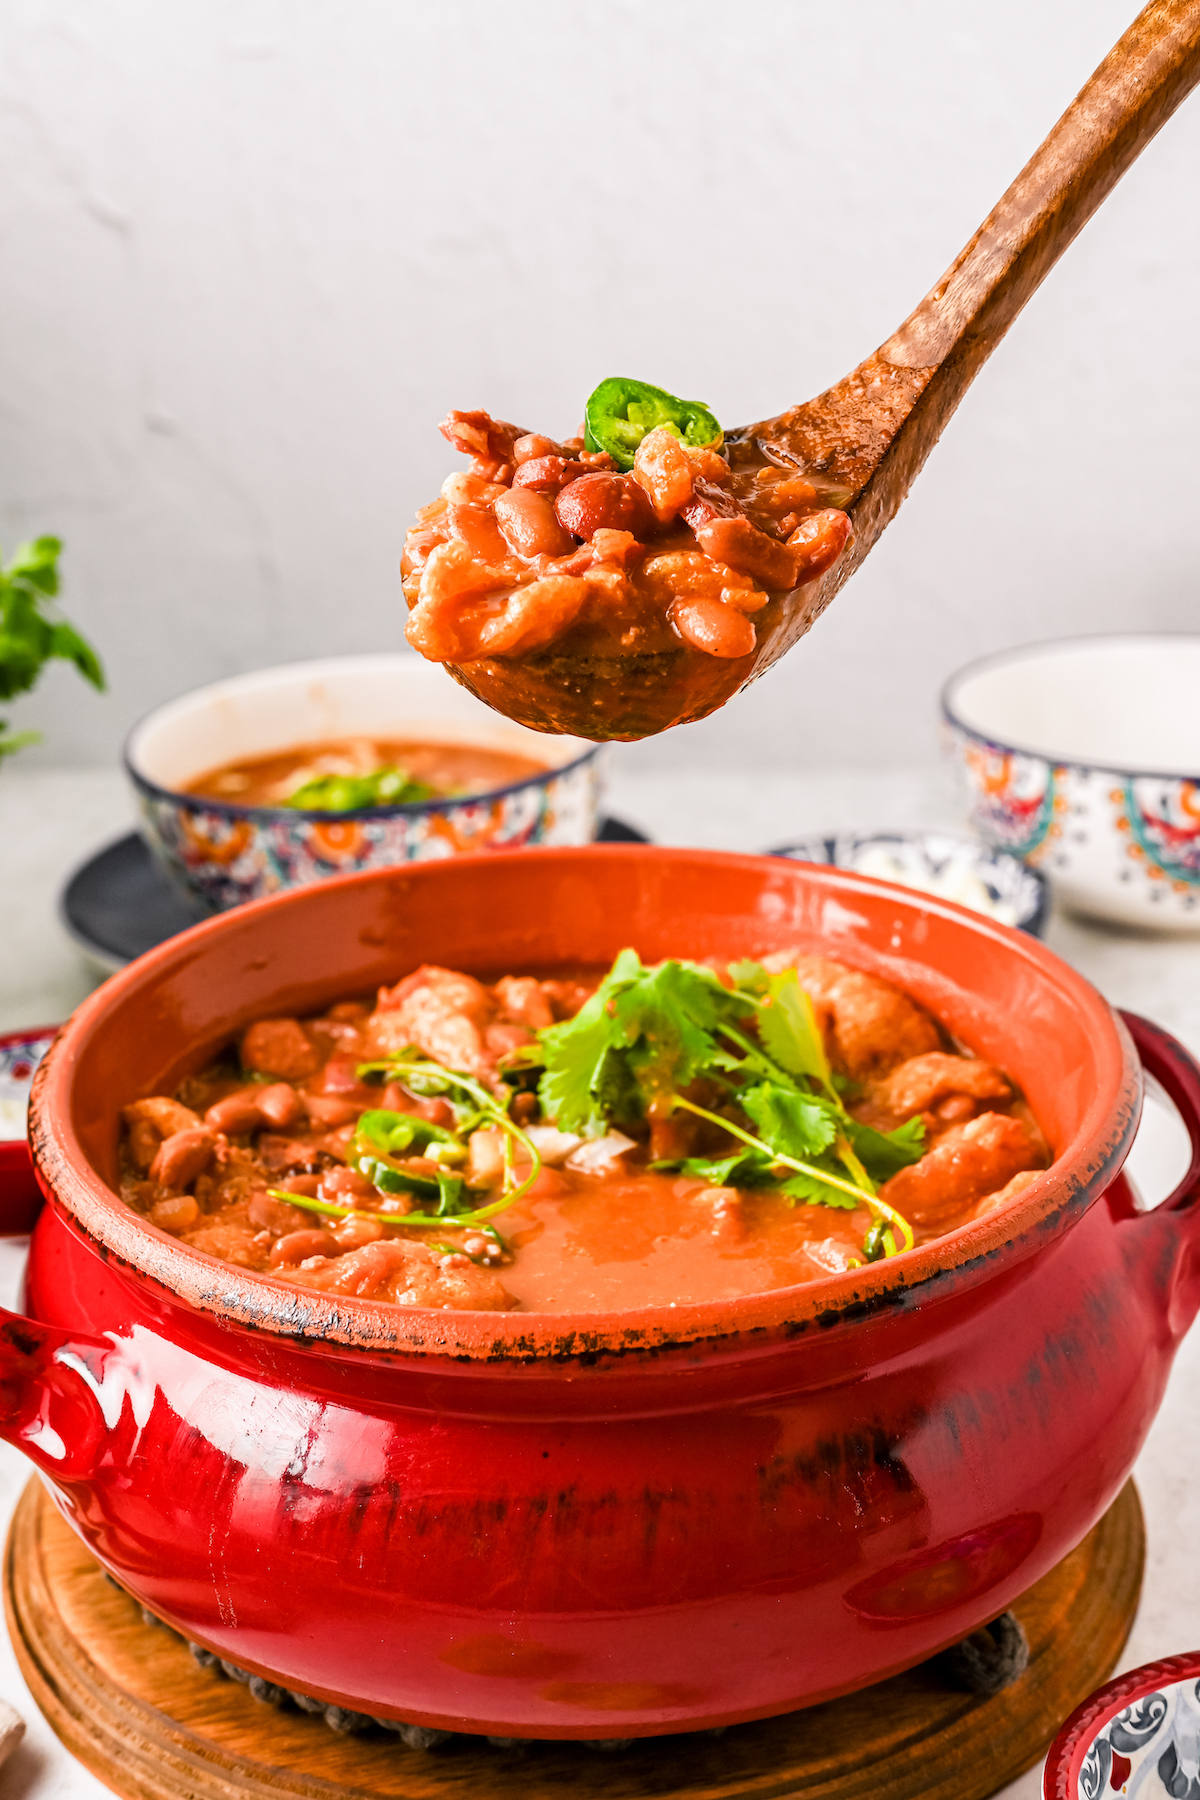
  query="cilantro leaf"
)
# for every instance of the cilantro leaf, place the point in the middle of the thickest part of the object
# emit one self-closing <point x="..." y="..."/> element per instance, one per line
<point x="645" y="1033"/>
<point x="884" y="1153"/>
<point x="788" y="1028"/>
<point x="28" y="639"/>
<point x="792" y="1123"/>
<point x="815" y="1193"/>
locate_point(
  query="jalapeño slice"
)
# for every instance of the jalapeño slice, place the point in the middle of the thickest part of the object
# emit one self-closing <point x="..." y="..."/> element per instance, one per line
<point x="621" y="411"/>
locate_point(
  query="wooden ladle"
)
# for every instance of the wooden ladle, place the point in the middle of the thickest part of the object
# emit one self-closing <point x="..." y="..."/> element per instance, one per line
<point x="872" y="432"/>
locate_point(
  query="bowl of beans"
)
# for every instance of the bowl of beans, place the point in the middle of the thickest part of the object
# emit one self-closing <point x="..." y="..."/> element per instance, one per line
<point x="288" y="775"/>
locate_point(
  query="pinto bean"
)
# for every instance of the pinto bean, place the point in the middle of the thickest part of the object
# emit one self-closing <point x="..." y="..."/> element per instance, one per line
<point x="279" y="1047"/>
<point x="713" y="627"/>
<point x="329" y="1109"/>
<point x="397" y="1099"/>
<point x="276" y="1216"/>
<point x="548" y="474"/>
<point x="533" y="446"/>
<point x="661" y="465"/>
<point x="150" y="1121"/>
<point x="345" y="1186"/>
<point x="818" y="541"/>
<point x="528" y="522"/>
<point x="352" y="1234"/>
<point x="476" y="527"/>
<point x="176" y="1215"/>
<point x="236" y="1112"/>
<point x="183" y="1156"/>
<point x="280" y="1104"/>
<point x="298" y="1246"/>
<point x="742" y="546"/>
<point x="605" y="503"/>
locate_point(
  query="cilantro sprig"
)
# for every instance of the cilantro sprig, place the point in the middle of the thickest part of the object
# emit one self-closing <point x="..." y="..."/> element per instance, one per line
<point x="383" y="1139"/>
<point x="28" y="638"/>
<point x="647" y="1035"/>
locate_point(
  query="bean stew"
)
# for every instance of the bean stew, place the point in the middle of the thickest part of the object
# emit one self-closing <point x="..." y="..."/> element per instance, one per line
<point x="346" y="774"/>
<point x="578" y="1143"/>
<point x="635" y="536"/>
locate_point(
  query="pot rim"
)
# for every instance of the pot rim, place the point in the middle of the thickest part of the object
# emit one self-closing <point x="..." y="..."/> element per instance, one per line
<point x="240" y="1297"/>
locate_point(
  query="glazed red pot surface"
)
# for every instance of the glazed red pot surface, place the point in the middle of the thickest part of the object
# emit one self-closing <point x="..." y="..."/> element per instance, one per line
<point x="600" y="1526"/>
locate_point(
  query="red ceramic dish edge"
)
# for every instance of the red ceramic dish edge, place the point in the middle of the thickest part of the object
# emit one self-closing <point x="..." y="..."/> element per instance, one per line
<point x="20" y="1196"/>
<point x="1064" y="1762"/>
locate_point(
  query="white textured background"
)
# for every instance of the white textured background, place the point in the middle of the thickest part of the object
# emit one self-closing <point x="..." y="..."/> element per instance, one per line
<point x="251" y="251"/>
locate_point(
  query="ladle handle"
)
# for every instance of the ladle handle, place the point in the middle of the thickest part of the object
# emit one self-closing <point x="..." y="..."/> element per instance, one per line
<point x="1134" y="91"/>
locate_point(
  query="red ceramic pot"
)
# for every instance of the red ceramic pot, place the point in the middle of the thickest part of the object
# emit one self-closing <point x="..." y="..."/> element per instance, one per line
<point x="615" y="1525"/>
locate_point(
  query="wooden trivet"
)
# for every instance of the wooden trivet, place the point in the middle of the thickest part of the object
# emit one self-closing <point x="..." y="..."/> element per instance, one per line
<point x="130" y="1702"/>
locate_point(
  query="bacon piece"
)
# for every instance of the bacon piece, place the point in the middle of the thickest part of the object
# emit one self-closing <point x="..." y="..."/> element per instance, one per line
<point x="444" y="1013"/>
<point x="969" y="1162"/>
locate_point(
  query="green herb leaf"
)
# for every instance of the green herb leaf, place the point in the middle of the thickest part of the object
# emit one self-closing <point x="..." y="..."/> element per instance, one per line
<point x="28" y="638"/>
<point x="884" y="1154"/>
<point x="356" y="793"/>
<point x="792" y="1123"/>
<point x="814" y="1192"/>
<point x="788" y="1028"/>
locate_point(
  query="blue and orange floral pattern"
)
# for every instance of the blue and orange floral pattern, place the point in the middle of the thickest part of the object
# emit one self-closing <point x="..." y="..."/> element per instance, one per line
<point x="1162" y="817"/>
<point x="223" y="856"/>
<point x="1014" y="799"/>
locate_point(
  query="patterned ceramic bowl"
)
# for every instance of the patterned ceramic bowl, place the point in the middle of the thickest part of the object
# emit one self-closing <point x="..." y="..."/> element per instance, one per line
<point x="220" y="854"/>
<point x="1083" y="757"/>
<point x="1139" y="1735"/>
<point x="937" y="862"/>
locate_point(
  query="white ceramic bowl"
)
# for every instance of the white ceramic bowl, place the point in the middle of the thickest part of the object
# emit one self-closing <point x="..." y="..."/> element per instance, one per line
<point x="221" y="854"/>
<point x="1083" y="757"/>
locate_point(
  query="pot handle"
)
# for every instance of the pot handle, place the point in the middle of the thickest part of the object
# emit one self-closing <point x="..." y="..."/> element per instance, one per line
<point x="50" y="1404"/>
<point x="1178" y="1074"/>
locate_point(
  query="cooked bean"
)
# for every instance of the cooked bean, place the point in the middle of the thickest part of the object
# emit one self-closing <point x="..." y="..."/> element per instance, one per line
<point x="352" y="1234"/>
<point x="280" y="1104"/>
<point x="818" y="541"/>
<point x="548" y="474"/>
<point x="476" y="527"/>
<point x="346" y="1186"/>
<point x="661" y="466"/>
<point x="236" y="1112"/>
<point x="178" y="1214"/>
<point x="529" y="524"/>
<point x="533" y="446"/>
<point x="298" y="1246"/>
<point x="183" y="1156"/>
<point x="328" y="1109"/>
<point x="605" y="503"/>
<point x="276" y="1216"/>
<point x="397" y="1099"/>
<point x="150" y="1121"/>
<point x="741" y="545"/>
<point x="713" y="627"/>
<point x="279" y="1047"/>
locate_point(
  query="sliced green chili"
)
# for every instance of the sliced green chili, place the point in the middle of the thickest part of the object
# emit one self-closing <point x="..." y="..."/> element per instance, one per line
<point x="621" y="411"/>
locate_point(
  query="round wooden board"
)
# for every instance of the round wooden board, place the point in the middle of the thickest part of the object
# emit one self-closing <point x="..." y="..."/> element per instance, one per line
<point x="130" y="1702"/>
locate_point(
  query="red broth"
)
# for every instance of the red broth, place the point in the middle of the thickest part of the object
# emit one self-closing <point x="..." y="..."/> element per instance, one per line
<point x="226" y="1162"/>
<point x="449" y="769"/>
